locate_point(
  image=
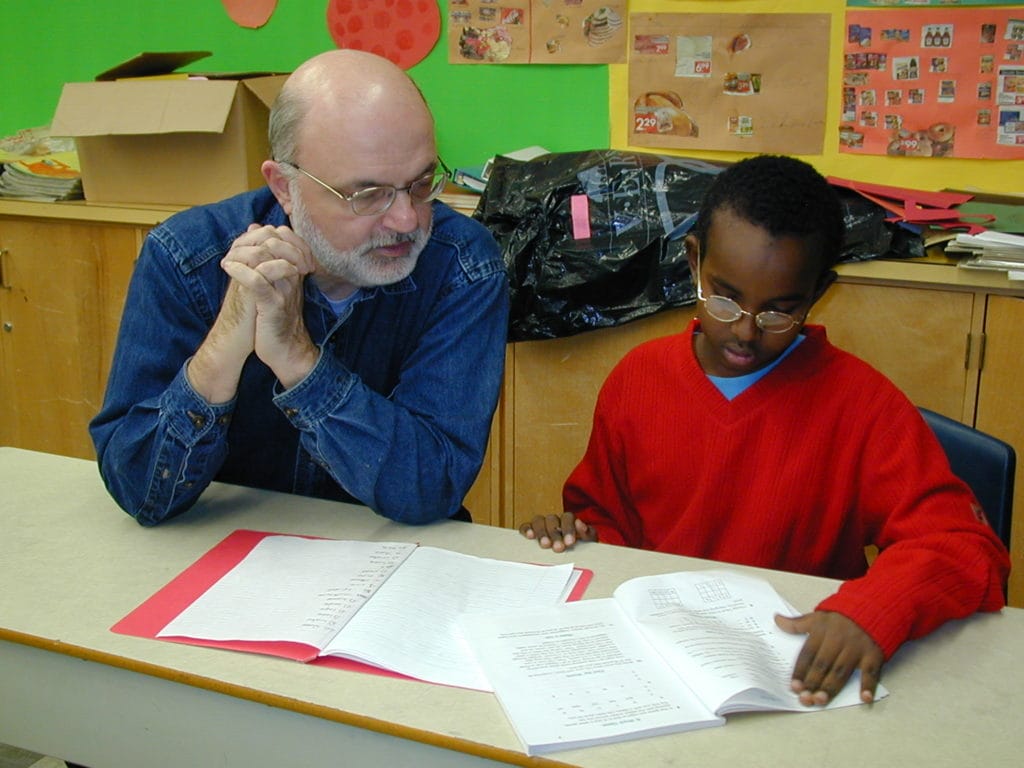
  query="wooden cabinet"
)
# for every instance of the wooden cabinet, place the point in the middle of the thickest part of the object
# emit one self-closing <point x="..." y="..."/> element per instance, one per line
<point x="551" y="390"/>
<point x="1000" y="412"/>
<point x="63" y="284"/>
<point x="919" y="338"/>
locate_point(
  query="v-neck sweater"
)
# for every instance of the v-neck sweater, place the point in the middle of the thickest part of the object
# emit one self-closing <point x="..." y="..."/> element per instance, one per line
<point x="799" y="472"/>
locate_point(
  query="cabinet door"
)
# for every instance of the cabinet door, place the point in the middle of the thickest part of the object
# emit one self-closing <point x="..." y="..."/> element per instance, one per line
<point x="554" y="387"/>
<point x="483" y="499"/>
<point x="915" y="336"/>
<point x="63" y="289"/>
<point x="999" y="409"/>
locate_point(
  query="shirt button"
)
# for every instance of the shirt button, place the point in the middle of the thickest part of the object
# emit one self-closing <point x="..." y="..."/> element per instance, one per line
<point x="197" y="419"/>
<point x="291" y="413"/>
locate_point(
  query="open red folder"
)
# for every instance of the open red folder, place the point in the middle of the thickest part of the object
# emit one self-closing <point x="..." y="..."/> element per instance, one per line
<point x="155" y="613"/>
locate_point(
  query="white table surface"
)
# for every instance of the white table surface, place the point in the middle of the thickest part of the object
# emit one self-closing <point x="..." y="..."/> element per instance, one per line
<point x="72" y="564"/>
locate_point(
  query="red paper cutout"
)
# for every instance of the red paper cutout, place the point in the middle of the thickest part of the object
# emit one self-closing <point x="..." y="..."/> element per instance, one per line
<point x="250" y="13"/>
<point x="403" y="31"/>
<point x="916" y="206"/>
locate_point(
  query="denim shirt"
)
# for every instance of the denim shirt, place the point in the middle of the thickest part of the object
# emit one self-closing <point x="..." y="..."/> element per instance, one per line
<point x="395" y="414"/>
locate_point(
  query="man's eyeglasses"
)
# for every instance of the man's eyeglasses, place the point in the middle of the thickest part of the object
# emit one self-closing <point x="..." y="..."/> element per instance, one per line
<point x="726" y="310"/>
<point x="373" y="201"/>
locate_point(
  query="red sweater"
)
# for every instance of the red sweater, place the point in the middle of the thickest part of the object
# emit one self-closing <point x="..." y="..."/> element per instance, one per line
<point x="819" y="458"/>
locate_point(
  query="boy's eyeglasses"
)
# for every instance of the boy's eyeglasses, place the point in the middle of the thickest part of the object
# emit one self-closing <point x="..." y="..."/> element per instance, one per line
<point x="726" y="310"/>
<point x="373" y="201"/>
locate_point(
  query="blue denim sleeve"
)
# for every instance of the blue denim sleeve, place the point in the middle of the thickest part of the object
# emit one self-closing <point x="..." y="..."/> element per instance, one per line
<point x="158" y="443"/>
<point x="412" y="455"/>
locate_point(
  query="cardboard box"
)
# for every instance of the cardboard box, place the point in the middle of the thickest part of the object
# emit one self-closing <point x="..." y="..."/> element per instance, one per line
<point x="164" y="136"/>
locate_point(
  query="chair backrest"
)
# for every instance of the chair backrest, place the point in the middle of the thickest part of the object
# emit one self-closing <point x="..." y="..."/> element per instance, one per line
<point x="984" y="462"/>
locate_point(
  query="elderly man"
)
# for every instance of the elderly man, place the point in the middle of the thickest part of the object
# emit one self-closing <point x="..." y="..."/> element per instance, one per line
<point x="338" y="333"/>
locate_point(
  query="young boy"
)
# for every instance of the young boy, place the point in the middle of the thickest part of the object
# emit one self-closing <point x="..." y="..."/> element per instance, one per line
<point x="749" y="438"/>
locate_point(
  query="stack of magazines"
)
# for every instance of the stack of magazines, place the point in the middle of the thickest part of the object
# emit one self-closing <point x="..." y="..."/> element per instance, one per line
<point x="34" y="166"/>
<point x="989" y="250"/>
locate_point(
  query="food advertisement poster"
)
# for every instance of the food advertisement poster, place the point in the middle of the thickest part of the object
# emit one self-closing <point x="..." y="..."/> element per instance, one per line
<point x="744" y="82"/>
<point x="934" y="82"/>
<point x="536" y="32"/>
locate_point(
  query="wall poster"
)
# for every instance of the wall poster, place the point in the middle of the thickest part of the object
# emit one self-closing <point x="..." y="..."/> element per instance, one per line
<point x="934" y="82"/>
<point x="743" y="82"/>
<point x="536" y="32"/>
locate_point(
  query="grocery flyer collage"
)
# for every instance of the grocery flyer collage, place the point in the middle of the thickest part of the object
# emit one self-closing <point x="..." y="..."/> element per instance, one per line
<point x="934" y="83"/>
<point x="920" y="78"/>
<point x="746" y="82"/>
<point x="536" y="32"/>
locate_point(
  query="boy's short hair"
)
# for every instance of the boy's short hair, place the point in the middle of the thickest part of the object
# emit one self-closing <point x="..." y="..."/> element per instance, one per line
<point x="783" y="195"/>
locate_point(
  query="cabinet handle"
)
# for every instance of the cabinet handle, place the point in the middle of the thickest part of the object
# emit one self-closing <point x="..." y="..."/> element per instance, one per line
<point x="3" y="269"/>
<point x="974" y="351"/>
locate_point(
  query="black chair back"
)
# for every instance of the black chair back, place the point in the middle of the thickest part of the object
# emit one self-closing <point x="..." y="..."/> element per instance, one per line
<point x="984" y="462"/>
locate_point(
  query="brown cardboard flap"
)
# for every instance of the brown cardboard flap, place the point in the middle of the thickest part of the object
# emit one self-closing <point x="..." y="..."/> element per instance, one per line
<point x="143" y="107"/>
<point x="266" y="88"/>
<point x="150" y="64"/>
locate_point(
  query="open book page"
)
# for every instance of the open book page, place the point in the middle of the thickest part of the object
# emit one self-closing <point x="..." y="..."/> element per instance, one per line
<point x="411" y="627"/>
<point x="578" y="675"/>
<point x="717" y="630"/>
<point x="291" y="588"/>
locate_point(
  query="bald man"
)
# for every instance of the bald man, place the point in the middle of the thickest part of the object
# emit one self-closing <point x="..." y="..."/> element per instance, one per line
<point x="338" y="333"/>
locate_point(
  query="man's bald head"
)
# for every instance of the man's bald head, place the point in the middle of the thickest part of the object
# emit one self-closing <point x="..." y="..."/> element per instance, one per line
<point x="343" y="88"/>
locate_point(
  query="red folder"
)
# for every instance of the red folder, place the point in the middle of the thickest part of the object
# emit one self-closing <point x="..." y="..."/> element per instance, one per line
<point x="155" y="613"/>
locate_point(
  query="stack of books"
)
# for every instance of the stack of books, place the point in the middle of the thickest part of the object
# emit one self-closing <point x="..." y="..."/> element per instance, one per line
<point x="47" y="178"/>
<point x="37" y="166"/>
<point x="990" y="250"/>
<point x="474" y="177"/>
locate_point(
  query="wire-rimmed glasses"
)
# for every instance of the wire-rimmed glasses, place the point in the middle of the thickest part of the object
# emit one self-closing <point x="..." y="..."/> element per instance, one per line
<point x="726" y="310"/>
<point x="375" y="200"/>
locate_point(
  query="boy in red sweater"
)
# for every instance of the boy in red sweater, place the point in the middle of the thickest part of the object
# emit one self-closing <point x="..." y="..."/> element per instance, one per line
<point x="750" y="439"/>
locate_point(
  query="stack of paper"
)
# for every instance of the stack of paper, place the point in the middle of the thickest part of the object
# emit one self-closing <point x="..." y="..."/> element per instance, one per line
<point x="990" y="250"/>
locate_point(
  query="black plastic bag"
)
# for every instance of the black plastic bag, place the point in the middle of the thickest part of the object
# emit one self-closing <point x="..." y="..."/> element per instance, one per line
<point x="638" y="207"/>
<point x="869" y="234"/>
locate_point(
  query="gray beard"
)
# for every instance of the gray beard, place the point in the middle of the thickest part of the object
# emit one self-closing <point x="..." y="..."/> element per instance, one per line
<point x="359" y="266"/>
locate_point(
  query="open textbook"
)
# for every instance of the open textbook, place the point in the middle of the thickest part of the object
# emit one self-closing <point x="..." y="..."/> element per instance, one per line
<point x="391" y="605"/>
<point x="667" y="653"/>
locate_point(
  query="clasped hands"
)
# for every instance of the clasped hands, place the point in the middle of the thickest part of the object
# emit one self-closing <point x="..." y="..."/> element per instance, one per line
<point x="835" y="648"/>
<point x="261" y="313"/>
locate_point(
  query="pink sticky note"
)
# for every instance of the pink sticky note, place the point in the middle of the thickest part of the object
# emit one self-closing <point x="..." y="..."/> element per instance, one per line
<point x="580" y="207"/>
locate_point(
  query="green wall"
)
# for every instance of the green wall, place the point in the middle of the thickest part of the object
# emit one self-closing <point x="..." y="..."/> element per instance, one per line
<point x="480" y="110"/>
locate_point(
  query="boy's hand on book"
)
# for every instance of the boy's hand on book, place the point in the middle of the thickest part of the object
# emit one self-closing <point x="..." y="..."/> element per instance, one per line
<point x="836" y="647"/>
<point x="557" y="532"/>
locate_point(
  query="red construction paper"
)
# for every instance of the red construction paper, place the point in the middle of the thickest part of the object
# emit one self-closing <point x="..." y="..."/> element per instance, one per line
<point x="404" y="31"/>
<point x="250" y="13"/>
